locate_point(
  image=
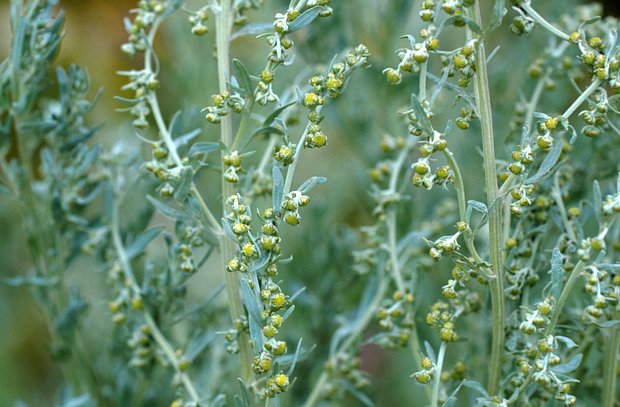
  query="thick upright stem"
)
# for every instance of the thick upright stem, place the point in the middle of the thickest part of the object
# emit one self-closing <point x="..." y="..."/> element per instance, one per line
<point x="483" y="102"/>
<point x="610" y="367"/>
<point x="227" y="246"/>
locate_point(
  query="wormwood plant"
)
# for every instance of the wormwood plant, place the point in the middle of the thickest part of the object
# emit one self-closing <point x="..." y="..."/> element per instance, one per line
<point x="499" y="294"/>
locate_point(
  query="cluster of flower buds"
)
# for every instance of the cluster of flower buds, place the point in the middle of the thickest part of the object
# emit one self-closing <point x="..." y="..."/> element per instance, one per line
<point x="445" y="245"/>
<point x="285" y="154"/>
<point x="231" y="337"/>
<point x="411" y="58"/>
<point x="539" y="361"/>
<point x="232" y="161"/>
<point x="538" y="318"/>
<point x="595" y="116"/>
<point x="189" y="238"/>
<point x="290" y="207"/>
<point x="522" y="197"/>
<point x="522" y="24"/>
<point x="395" y="321"/>
<point x="425" y="375"/>
<point x="442" y="317"/>
<point x="518" y="277"/>
<point x="198" y="20"/>
<point x="141" y="344"/>
<point x="344" y="366"/>
<point x="463" y="60"/>
<point x="467" y="114"/>
<point x="141" y="82"/>
<point x="330" y="86"/>
<point x="221" y="103"/>
<point x="605" y="291"/>
<point x="146" y="13"/>
<point x="280" y="42"/>
<point x="124" y="301"/>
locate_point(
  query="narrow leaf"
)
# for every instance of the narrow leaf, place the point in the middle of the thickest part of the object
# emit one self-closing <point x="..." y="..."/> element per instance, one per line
<point x="304" y="19"/>
<point x="499" y="11"/>
<point x="140" y="243"/>
<point x="184" y="184"/>
<point x="548" y="163"/>
<point x="168" y="211"/>
<point x="203" y="148"/>
<point x="476" y="386"/>
<point x="569" y="366"/>
<point x="278" y="188"/>
<point x="254" y="312"/>
<point x="566" y="341"/>
<point x="252" y="29"/>
<point x="557" y="273"/>
<point x="277" y="112"/>
<point x="243" y="77"/>
<point x="421" y="115"/>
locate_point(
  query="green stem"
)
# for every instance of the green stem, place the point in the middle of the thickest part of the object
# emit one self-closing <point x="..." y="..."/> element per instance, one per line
<point x="462" y="204"/>
<point x="568" y="288"/>
<point x="363" y="321"/>
<point x="610" y="366"/>
<point x="556" y="193"/>
<point x="496" y="285"/>
<point x="437" y="379"/>
<point x="227" y="246"/>
<point x="582" y="98"/>
<point x="130" y="278"/>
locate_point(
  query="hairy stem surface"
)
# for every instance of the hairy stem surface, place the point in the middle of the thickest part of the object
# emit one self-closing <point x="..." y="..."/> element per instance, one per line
<point x="483" y="102"/>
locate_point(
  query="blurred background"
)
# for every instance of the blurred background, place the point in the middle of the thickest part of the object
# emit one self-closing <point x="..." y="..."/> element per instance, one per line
<point x="94" y="32"/>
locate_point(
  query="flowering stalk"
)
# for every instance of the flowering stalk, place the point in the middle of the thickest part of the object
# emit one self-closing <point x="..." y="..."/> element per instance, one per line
<point x="496" y="285"/>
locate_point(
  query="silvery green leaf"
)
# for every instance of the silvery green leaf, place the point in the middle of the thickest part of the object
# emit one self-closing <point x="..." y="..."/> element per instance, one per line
<point x="245" y="394"/>
<point x="430" y="352"/>
<point x="456" y="21"/>
<point x="297" y="294"/>
<point x="597" y="200"/>
<point x="168" y="211"/>
<point x="295" y="358"/>
<point x="277" y="112"/>
<point x="238" y="401"/>
<point x="278" y="188"/>
<point x="185" y="138"/>
<point x="186" y="179"/>
<point x="566" y="341"/>
<point x="608" y="324"/>
<point x="66" y="323"/>
<point x="254" y="312"/>
<point x="310" y="183"/>
<point x="288" y="312"/>
<point x="569" y="366"/>
<point x="304" y="19"/>
<point x="421" y="115"/>
<point x="203" y="148"/>
<point x="267" y="131"/>
<point x="476" y="386"/>
<point x="551" y="159"/>
<point x="478" y="207"/>
<point x="243" y="77"/>
<point x="356" y="393"/>
<point x="252" y="29"/>
<point x="557" y="273"/>
<point x="29" y="281"/>
<point x="228" y="230"/>
<point x="198" y="344"/>
<point x="140" y="242"/>
<point x="614" y="103"/>
<point x="511" y="343"/>
<point x="499" y="11"/>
